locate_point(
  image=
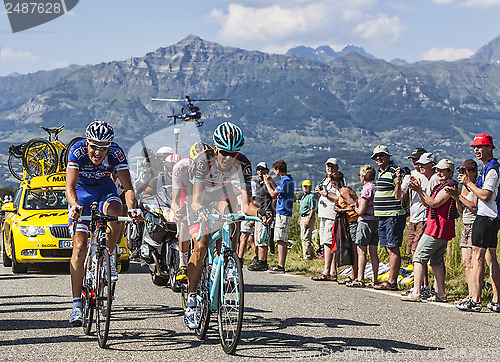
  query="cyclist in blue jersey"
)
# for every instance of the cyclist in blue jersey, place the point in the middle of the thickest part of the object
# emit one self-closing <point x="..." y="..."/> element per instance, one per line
<point x="91" y="163"/>
<point x="214" y="174"/>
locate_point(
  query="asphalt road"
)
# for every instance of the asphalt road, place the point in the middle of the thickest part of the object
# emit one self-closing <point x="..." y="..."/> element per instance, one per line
<point x="285" y="317"/>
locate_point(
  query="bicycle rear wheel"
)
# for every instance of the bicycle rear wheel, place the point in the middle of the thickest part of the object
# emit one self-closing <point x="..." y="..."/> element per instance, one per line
<point x="40" y="157"/>
<point x="230" y="303"/>
<point x="203" y="313"/>
<point x="16" y="166"/>
<point x="65" y="154"/>
<point x="103" y="297"/>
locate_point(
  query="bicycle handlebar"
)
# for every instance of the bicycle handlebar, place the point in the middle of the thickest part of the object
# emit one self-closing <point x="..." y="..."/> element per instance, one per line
<point x="105" y="218"/>
<point x="232" y="218"/>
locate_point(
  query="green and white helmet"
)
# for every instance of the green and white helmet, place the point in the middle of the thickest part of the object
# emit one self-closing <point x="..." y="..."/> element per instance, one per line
<point x="229" y="137"/>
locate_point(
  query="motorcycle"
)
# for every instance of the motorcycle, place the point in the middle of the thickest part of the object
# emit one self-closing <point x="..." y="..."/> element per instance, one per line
<point x="160" y="247"/>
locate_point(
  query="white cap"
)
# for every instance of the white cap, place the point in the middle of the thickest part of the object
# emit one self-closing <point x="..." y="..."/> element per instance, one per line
<point x="262" y="165"/>
<point x="380" y="149"/>
<point x="445" y="164"/>
<point x="332" y="160"/>
<point x="427" y="158"/>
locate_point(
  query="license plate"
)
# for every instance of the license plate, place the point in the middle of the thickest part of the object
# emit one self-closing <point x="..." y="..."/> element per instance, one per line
<point x="65" y="244"/>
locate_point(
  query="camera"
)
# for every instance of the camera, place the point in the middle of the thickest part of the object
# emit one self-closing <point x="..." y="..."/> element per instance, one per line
<point x="321" y="187"/>
<point x="404" y="171"/>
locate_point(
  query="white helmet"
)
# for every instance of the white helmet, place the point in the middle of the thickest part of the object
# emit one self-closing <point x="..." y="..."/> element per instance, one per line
<point x="165" y="151"/>
<point x="100" y="131"/>
<point x="170" y="161"/>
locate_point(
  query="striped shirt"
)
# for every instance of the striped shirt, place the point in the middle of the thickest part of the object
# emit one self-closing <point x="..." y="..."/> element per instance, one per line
<point x="385" y="202"/>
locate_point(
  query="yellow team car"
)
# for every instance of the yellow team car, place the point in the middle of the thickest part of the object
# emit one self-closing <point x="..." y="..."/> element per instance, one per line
<point x="35" y="227"/>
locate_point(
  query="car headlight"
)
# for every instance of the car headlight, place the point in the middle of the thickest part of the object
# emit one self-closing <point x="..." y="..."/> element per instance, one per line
<point x="32" y="230"/>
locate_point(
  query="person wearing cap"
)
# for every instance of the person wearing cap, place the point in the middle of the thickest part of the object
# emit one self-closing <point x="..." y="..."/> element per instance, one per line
<point x="440" y="227"/>
<point x="284" y="193"/>
<point x="418" y="212"/>
<point x="328" y="196"/>
<point x="263" y="200"/>
<point x="466" y="204"/>
<point x="307" y="212"/>
<point x="486" y="225"/>
<point x="416" y="224"/>
<point x="388" y="207"/>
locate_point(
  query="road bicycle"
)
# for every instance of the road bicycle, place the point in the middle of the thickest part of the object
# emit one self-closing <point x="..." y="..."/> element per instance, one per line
<point x="15" y="161"/>
<point x="98" y="290"/>
<point x="43" y="157"/>
<point x="221" y="287"/>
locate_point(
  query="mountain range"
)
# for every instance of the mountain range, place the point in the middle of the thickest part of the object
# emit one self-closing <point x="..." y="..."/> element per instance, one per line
<point x="289" y="106"/>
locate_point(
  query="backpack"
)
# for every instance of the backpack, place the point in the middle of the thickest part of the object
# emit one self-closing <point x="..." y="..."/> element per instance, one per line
<point x="492" y="164"/>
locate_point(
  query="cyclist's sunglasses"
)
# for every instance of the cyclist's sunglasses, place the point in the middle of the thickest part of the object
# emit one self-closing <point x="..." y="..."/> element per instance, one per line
<point x="225" y="153"/>
<point x="97" y="147"/>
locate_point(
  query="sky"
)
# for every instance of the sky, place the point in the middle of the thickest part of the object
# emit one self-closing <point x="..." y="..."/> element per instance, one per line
<point x="106" y="30"/>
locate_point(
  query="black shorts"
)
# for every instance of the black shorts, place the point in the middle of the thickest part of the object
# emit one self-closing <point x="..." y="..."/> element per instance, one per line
<point x="485" y="232"/>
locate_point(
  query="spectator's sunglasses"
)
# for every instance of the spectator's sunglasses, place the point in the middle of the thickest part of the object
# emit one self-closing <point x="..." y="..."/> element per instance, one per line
<point x="97" y="147"/>
<point x="225" y="153"/>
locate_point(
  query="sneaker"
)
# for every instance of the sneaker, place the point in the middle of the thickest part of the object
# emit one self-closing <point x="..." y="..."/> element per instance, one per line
<point x="427" y="292"/>
<point x="181" y="276"/>
<point x="190" y="317"/>
<point x="468" y="305"/>
<point x="494" y="307"/>
<point x="278" y="270"/>
<point x="76" y="317"/>
<point x="114" y="273"/>
<point x="260" y="266"/>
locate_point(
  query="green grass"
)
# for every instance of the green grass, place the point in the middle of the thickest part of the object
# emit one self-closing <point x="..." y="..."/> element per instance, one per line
<point x="455" y="285"/>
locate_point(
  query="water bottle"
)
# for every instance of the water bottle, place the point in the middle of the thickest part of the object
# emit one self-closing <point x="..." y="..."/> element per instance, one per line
<point x="214" y="269"/>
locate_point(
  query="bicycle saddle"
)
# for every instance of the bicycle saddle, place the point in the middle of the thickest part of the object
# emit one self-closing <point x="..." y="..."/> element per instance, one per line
<point x="53" y="131"/>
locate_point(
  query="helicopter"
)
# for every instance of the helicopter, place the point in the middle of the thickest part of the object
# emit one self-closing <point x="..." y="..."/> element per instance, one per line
<point x="189" y="112"/>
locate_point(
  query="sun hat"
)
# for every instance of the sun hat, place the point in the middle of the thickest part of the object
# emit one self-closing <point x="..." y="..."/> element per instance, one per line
<point x="427" y="158"/>
<point x="483" y="139"/>
<point x="380" y="149"/>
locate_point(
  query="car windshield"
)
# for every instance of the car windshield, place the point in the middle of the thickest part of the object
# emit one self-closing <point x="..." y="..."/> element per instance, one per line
<point x="45" y="199"/>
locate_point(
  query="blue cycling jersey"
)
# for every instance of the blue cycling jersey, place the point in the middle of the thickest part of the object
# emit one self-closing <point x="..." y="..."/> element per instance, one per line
<point x="90" y="174"/>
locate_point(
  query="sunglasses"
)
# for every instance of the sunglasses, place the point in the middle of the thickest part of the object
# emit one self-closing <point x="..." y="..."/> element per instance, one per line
<point x="97" y="147"/>
<point x="378" y="155"/>
<point x="225" y="153"/>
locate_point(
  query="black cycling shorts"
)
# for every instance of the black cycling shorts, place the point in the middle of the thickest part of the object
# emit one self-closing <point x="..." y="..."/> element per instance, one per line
<point x="485" y="231"/>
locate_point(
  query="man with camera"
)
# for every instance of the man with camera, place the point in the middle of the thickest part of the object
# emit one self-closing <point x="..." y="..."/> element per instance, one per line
<point x="388" y="207"/>
<point x="486" y="225"/>
<point x="328" y="195"/>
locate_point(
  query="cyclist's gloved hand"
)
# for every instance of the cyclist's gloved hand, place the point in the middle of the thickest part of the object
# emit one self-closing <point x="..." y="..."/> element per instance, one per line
<point x="75" y="212"/>
<point x="136" y="214"/>
<point x="202" y="214"/>
<point x="181" y="213"/>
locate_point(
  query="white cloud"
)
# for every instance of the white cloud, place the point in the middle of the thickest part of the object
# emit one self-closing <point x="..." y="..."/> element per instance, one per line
<point x="469" y="3"/>
<point x="263" y="24"/>
<point x="449" y="54"/>
<point x="280" y="19"/>
<point x="381" y="29"/>
<point x="9" y="55"/>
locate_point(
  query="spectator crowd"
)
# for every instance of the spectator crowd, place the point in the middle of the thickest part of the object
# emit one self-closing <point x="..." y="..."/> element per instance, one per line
<point x="426" y="201"/>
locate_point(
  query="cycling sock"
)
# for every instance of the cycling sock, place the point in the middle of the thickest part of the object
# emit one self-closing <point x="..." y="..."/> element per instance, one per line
<point x="191" y="301"/>
<point x="183" y="259"/>
<point x="77" y="303"/>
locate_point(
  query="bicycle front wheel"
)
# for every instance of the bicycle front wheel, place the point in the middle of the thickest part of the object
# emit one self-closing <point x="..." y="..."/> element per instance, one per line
<point x="230" y="306"/>
<point x="40" y="157"/>
<point x="87" y="299"/>
<point x="103" y="297"/>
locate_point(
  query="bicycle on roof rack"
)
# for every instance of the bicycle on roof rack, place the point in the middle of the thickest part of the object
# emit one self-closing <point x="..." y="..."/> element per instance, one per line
<point x="45" y="156"/>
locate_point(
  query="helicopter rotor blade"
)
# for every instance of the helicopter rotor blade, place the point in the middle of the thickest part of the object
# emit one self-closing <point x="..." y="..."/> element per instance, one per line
<point x="168" y="99"/>
<point x="210" y="100"/>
